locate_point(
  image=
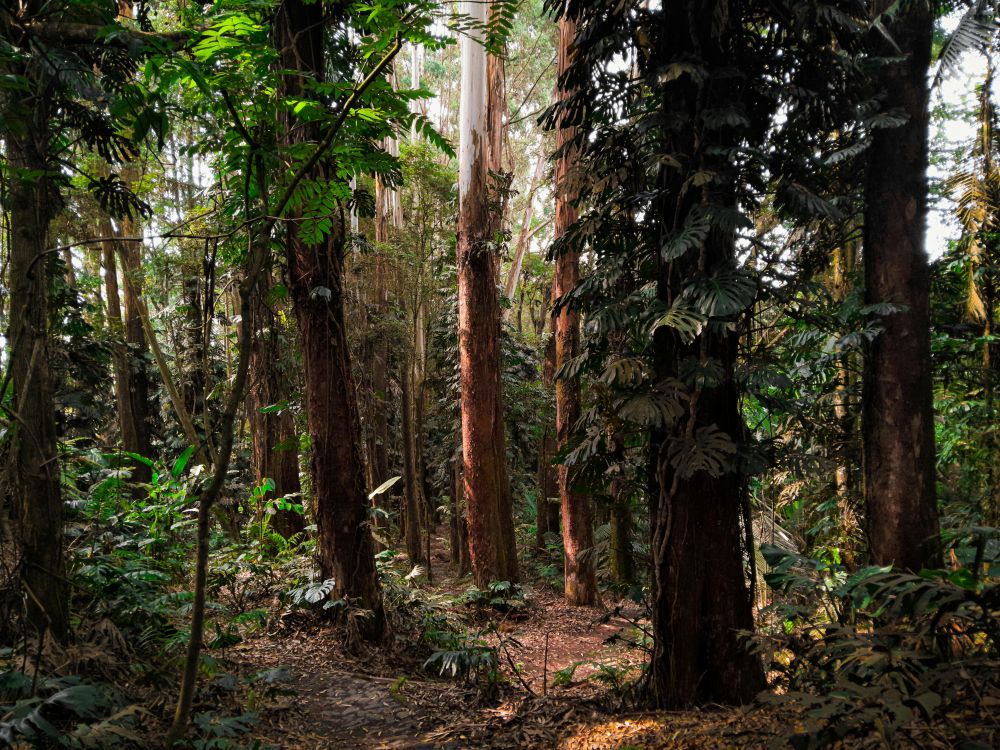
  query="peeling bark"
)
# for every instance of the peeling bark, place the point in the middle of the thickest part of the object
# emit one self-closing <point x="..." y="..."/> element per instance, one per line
<point x="487" y="493"/>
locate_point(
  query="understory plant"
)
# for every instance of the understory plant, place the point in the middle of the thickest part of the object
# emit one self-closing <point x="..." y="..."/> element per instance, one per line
<point x="871" y="657"/>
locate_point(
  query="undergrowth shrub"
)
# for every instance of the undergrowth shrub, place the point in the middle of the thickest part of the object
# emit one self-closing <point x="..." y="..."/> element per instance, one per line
<point x="68" y="712"/>
<point x="876" y="655"/>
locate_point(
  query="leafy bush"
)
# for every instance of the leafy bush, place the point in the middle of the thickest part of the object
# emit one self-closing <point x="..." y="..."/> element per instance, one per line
<point x="64" y="712"/>
<point x="500" y="596"/>
<point x="883" y="650"/>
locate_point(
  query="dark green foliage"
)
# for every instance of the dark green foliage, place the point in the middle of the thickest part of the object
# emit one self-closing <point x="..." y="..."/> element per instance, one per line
<point x="884" y="650"/>
<point x="65" y="712"/>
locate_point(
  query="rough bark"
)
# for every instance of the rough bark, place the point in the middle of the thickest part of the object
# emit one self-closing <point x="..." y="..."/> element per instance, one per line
<point x="580" y="578"/>
<point x="487" y="494"/>
<point x="274" y="450"/>
<point x="701" y="601"/>
<point x="345" y="547"/>
<point x="897" y="408"/>
<point x="32" y="204"/>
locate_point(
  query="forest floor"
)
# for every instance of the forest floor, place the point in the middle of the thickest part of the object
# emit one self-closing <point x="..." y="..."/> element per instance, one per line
<point x="337" y="697"/>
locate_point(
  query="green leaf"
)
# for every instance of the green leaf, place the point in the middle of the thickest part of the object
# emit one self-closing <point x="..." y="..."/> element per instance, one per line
<point x="182" y="460"/>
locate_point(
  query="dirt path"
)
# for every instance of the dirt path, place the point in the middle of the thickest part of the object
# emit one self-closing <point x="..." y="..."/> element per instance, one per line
<point x="341" y="700"/>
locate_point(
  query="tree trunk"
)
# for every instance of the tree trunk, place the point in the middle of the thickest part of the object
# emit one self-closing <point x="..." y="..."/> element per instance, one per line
<point x="413" y="487"/>
<point x="701" y="602"/>
<point x="578" y="537"/>
<point x="547" y="511"/>
<point x="459" y="522"/>
<point x="845" y="475"/>
<point x="344" y="544"/>
<point x="897" y="408"/>
<point x="377" y="353"/>
<point x="128" y="364"/>
<point x="69" y="271"/>
<point x="487" y="494"/>
<point x="32" y="204"/>
<point x="130" y="255"/>
<point x="274" y="454"/>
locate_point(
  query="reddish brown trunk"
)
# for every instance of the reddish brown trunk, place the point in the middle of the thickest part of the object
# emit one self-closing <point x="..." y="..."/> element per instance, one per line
<point x="487" y="494"/>
<point x="274" y="453"/>
<point x="578" y="538"/>
<point x="344" y="545"/>
<point x="897" y="409"/>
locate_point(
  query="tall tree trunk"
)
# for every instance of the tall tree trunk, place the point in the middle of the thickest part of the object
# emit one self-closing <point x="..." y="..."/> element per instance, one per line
<point x="32" y="202"/>
<point x="413" y="487"/>
<point x="377" y="350"/>
<point x="69" y="270"/>
<point x="622" y="562"/>
<point x="120" y="359"/>
<point x="701" y="601"/>
<point x="578" y="537"/>
<point x="845" y="476"/>
<point x="487" y="494"/>
<point x="897" y="408"/>
<point x="547" y="511"/>
<point x="274" y="454"/>
<point x="131" y="382"/>
<point x="345" y="546"/>
<point x="130" y="255"/>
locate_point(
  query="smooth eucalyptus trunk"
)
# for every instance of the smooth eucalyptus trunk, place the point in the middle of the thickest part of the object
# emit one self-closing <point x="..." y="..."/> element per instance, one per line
<point x="487" y="493"/>
<point x="580" y="578"/>
<point x="897" y="409"/>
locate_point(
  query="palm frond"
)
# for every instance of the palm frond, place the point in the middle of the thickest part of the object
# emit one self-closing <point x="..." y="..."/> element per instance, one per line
<point x="977" y="28"/>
